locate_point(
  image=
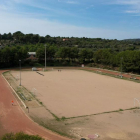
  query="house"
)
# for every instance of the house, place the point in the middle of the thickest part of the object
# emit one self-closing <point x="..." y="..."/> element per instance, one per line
<point x="32" y="56"/>
<point x="65" y="39"/>
<point x="32" y="53"/>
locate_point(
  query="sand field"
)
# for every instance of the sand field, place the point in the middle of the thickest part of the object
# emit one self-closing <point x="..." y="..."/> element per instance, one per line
<point x="72" y="93"/>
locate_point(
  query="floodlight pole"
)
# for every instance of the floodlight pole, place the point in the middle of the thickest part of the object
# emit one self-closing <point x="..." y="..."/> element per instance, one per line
<point x="121" y="66"/>
<point x="45" y="57"/>
<point x="20" y="71"/>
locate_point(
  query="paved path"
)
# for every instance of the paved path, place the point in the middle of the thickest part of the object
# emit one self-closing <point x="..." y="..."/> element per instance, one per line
<point x="13" y="119"/>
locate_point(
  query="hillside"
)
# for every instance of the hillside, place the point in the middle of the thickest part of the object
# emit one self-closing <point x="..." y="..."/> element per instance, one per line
<point x="18" y="38"/>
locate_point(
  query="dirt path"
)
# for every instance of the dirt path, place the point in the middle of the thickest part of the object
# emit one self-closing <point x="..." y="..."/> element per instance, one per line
<point x="13" y="119"/>
<point x="115" y="73"/>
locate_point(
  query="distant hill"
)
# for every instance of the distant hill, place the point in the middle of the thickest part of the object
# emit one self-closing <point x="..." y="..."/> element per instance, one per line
<point x="133" y="40"/>
<point x="20" y="39"/>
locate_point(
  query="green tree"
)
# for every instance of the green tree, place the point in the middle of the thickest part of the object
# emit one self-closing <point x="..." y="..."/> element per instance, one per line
<point x="63" y="52"/>
<point x="35" y="38"/>
<point x="42" y="39"/>
<point x="6" y="52"/>
<point x="20" y="136"/>
<point x="103" y="56"/>
<point x="50" y="52"/>
<point x="74" y="53"/>
<point x="17" y="35"/>
<point x="85" y="54"/>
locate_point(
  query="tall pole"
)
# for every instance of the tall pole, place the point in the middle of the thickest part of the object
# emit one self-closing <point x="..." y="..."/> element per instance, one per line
<point x="45" y="57"/>
<point x="20" y="71"/>
<point x="121" y="66"/>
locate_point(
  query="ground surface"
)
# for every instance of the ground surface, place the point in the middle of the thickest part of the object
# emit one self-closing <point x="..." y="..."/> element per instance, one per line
<point x="124" y="125"/>
<point x="13" y="119"/>
<point x="72" y="93"/>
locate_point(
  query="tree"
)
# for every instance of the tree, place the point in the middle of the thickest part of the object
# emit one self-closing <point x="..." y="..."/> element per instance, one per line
<point x="42" y="39"/>
<point x="35" y="38"/>
<point x="6" y="52"/>
<point x="63" y="52"/>
<point x="17" y="35"/>
<point x="103" y="56"/>
<point x="9" y="36"/>
<point x="85" y="54"/>
<point x="50" y="52"/>
<point x="74" y="52"/>
<point x="29" y="38"/>
<point x="20" y="136"/>
<point x="40" y="54"/>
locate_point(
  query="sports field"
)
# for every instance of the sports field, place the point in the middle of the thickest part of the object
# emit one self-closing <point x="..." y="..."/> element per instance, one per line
<point x="72" y="93"/>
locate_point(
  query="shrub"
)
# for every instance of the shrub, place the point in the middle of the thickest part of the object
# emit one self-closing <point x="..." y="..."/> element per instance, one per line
<point x="20" y="136"/>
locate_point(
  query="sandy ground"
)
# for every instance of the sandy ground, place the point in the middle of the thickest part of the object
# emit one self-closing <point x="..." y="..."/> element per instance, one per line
<point x="72" y="93"/>
<point x="114" y="126"/>
<point x="123" y="125"/>
<point x="13" y="119"/>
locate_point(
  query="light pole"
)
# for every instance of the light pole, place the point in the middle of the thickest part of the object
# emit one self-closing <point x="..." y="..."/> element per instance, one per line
<point x="45" y="57"/>
<point x="20" y="71"/>
<point x="121" y="66"/>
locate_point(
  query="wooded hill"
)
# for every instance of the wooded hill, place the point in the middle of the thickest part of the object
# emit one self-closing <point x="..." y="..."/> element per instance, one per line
<point x="70" y="51"/>
<point x="19" y="38"/>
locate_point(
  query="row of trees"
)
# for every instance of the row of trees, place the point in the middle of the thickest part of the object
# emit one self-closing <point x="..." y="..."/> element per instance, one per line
<point x="19" y="38"/>
<point x="65" y="53"/>
<point x="130" y="59"/>
<point x="10" y="56"/>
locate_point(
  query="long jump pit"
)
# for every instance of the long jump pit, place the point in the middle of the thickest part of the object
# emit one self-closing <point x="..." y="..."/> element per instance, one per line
<point x="72" y="93"/>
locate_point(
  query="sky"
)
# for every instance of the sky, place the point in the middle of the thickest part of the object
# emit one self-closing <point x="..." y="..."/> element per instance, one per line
<point x="109" y="19"/>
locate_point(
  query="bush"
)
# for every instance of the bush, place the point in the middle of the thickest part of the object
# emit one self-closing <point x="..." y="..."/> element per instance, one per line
<point x="90" y="65"/>
<point x="120" y="109"/>
<point x="37" y="65"/>
<point x="20" y="136"/>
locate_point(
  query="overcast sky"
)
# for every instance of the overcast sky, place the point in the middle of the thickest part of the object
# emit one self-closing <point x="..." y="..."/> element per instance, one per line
<point x="110" y="19"/>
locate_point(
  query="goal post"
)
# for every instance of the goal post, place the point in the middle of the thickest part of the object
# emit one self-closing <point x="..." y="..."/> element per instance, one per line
<point x="34" y="92"/>
<point x="17" y="77"/>
<point x="137" y="100"/>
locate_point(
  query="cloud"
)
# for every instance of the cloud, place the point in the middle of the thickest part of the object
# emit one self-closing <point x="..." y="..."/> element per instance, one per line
<point x="3" y="7"/>
<point x="72" y="2"/>
<point x="13" y="23"/>
<point x="18" y="1"/>
<point x="128" y="2"/>
<point x="131" y="6"/>
<point x="91" y="6"/>
<point x="132" y="11"/>
<point x="6" y="6"/>
<point x="44" y="22"/>
<point x="49" y="8"/>
<point x="68" y="1"/>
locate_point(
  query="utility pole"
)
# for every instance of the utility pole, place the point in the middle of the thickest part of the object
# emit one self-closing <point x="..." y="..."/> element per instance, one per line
<point x="45" y="57"/>
<point x="121" y="66"/>
<point x="20" y="71"/>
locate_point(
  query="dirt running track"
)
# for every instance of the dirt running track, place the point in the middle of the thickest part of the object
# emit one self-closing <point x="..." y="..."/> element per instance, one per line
<point x="115" y="73"/>
<point x="13" y="119"/>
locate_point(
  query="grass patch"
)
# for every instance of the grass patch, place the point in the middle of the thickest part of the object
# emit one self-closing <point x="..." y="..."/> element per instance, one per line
<point x="120" y="110"/>
<point x="53" y="127"/>
<point x="63" y="118"/>
<point x="57" y="118"/>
